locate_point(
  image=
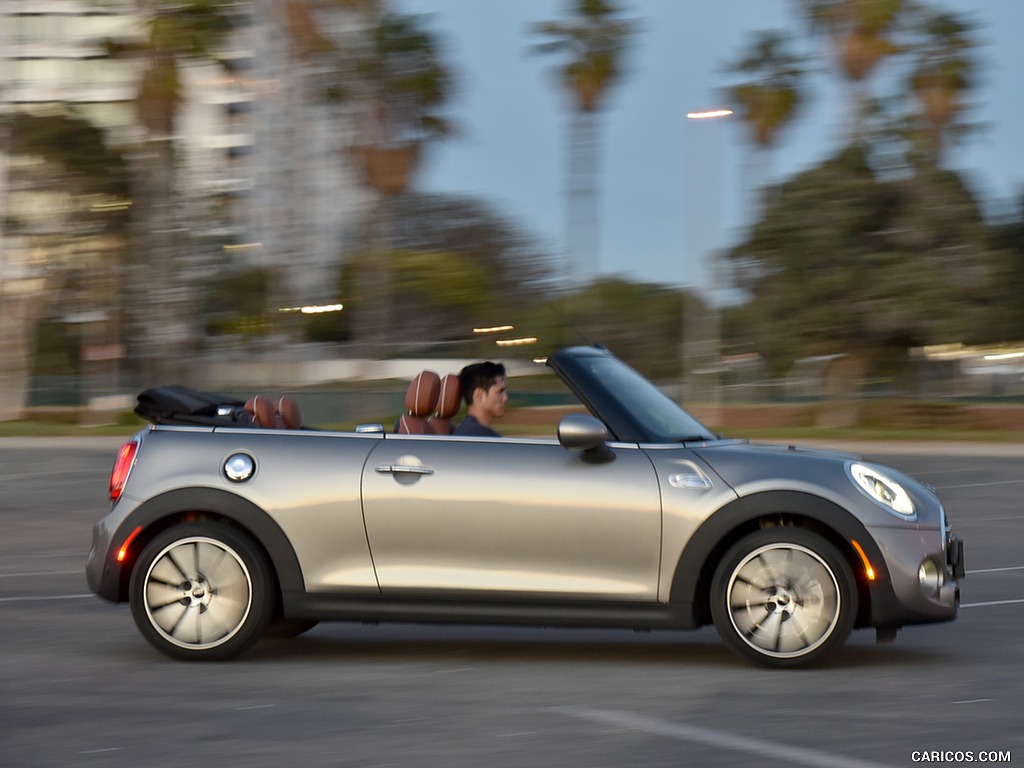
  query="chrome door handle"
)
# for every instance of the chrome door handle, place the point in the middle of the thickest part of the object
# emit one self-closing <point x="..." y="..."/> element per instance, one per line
<point x="406" y="469"/>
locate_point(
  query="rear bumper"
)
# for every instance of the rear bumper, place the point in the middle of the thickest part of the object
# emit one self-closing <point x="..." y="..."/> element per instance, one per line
<point x="102" y="571"/>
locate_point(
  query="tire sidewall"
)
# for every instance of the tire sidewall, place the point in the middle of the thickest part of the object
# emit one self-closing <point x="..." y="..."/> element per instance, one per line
<point x="261" y="606"/>
<point x="780" y="536"/>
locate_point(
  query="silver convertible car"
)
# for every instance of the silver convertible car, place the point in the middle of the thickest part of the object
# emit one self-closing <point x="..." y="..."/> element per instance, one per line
<point x="634" y="516"/>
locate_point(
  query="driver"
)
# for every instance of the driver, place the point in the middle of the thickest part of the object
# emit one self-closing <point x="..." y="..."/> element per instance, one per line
<point x="483" y="387"/>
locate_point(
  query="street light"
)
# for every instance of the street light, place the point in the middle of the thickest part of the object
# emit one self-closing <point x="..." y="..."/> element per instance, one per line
<point x="710" y="114"/>
<point x="700" y="331"/>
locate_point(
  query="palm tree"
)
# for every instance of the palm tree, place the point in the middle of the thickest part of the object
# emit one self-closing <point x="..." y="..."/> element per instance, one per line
<point x="397" y="84"/>
<point x="177" y="32"/>
<point x="594" y="41"/>
<point x="770" y="99"/>
<point x="942" y="74"/>
<point x="861" y="34"/>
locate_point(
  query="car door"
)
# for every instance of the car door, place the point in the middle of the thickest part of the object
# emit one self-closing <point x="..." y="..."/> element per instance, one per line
<point x="511" y="517"/>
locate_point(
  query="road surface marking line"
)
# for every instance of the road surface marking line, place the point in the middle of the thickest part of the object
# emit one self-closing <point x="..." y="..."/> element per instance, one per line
<point x="992" y="602"/>
<point x="978" y="485"/>
<point x="717" y="739"/>
<point x="997" y="570"/>
<point x="42" y="597"/>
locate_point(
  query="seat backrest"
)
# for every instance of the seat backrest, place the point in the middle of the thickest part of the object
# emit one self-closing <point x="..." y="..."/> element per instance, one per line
<point x="448" y="403"/>
<point x="420" y="401"/>
<point x="268" y="413"/>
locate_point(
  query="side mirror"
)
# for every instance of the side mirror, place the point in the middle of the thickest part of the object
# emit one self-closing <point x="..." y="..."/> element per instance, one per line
<point x="580" y="432"/>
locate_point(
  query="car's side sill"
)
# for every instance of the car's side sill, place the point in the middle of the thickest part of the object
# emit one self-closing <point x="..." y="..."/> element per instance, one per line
<point x="335" y="607"/>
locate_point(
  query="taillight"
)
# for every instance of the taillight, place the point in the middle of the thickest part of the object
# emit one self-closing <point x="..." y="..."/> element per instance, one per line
<point x="122" y="466"/>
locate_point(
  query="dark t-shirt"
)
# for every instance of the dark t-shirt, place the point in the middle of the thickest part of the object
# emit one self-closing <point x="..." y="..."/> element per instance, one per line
<point x="470" y="427"/>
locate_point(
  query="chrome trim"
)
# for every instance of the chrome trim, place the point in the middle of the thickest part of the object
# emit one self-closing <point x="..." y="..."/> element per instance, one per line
<point x="408" y="469"/>
<point x="694" y="480"/>
<point x="239" y="467"/>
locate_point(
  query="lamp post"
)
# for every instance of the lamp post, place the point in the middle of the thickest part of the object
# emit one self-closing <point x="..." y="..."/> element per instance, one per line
<point x="700" y="331"/>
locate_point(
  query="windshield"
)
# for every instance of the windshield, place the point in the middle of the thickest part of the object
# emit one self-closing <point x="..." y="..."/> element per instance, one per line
<point x="656" y="413"/>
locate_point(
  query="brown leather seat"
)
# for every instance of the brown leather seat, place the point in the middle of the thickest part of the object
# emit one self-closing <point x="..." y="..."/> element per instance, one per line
<point x="420" y="401"/>
<point x="270" y="414"/>
<point x="448" y="403"/>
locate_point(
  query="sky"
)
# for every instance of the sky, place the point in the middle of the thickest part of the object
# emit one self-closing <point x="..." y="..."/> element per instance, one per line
<point x="672" y="190"/>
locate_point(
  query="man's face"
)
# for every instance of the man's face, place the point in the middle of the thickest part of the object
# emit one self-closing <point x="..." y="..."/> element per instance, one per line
<point x="492" y="401"/>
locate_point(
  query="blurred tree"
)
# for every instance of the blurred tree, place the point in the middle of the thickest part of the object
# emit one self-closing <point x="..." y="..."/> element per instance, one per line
<point x="942" y="74"/>
<point x="861" y="34"/>
<point x="517" y="268"/>
<point x="1008" y="237"/>
<point x="772" y="97"/>
<point x="594" y="42"/>
<point x="489" y="268"/>
<point x="844" y="264"/>
<point x="176" y="33"/>
<point x="235" y="302"/>
<point x="396" y="84"/>
<point x="71" y="220"/>
<point x="640" y="322"/>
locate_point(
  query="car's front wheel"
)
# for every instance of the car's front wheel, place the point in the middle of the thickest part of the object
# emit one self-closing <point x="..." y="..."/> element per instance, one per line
<point x="783" y="596"/>
<point x="202" y="591"/>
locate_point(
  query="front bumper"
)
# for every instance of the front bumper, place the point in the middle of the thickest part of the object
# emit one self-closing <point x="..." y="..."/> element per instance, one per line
<point x="925" y="569"/>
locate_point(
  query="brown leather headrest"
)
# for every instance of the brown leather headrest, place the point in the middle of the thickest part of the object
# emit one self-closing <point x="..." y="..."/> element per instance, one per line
<point x="421" y="397"/>
<point x="450" y="399"/>
<point x="270" y="414"/>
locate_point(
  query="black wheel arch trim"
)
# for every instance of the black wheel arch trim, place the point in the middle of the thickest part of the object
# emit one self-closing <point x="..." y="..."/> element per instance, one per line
<point x="207" y="501"/>
<point x="700" y="555"/>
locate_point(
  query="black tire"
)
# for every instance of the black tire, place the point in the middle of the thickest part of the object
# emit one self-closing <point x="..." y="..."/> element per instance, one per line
<point x="783" y="597"/>
<point x="202" y="591"/>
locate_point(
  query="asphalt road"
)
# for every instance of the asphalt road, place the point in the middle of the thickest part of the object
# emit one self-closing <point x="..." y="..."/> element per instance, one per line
<point x="79" y="686"/>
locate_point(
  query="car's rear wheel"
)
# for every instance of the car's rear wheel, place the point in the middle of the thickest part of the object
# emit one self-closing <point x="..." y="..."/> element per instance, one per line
<point x="783" y="596"/>
<point x="202" y="591"/>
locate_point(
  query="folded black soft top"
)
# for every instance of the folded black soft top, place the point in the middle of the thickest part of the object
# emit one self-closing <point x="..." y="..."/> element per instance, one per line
<point x="175" y="404"/>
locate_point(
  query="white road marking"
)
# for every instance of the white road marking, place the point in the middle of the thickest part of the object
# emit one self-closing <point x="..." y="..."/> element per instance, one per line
<point x="42" y="597"/>
<point x="760" y="748"/>
<point x="992" y="602"/>
<point x="28" y="574"/>
<point x="997" y="570"/>
<point x="978" y="485"/>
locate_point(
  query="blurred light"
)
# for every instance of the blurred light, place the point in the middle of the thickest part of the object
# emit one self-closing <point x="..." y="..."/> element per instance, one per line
<point x="242" y="247"/>
<point x="494" y="329"/>
<point x="314" y="309"/>
<point x="712" y="113"/>
<point x="119" y="205"/>
<point x="516" y="342"/>
<point x="964" y="352"/>
<point x="540" y="360"/>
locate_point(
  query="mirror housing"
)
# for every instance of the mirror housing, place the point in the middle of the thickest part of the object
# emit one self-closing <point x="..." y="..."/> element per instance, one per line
<point x="583" y="433"/>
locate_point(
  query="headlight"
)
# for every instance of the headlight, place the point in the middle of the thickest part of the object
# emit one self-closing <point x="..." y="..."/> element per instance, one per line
<point x="882" y="489"/>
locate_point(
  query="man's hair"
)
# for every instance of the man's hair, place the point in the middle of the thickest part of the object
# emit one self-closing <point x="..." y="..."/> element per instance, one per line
<point x="479" y="375"/>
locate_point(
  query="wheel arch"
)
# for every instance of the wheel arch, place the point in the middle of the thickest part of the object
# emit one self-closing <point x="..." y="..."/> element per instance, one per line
<point x="187" y="504"/>
<point x="691" y="582"/>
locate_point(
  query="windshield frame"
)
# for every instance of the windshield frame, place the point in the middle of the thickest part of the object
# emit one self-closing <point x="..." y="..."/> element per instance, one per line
<point x="632" y="407"/>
